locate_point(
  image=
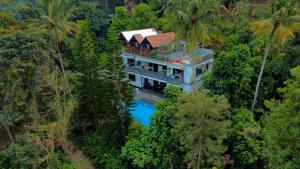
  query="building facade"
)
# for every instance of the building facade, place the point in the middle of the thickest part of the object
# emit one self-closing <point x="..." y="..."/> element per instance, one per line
<point x="152" y="64"/>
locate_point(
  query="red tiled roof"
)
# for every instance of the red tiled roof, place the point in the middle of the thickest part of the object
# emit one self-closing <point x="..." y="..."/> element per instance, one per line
<point x="139" y="37"/>
<point x="161" y="39"/>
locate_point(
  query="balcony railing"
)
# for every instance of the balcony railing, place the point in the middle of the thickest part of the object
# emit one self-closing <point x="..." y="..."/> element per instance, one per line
<point x="155" y="75"/>
<point x="158" y="55"/>
<point x="166" y="57"/>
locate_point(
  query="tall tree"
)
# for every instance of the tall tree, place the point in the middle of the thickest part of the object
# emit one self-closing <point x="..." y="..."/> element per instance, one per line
<point x="55" y="17"/>
<point x="25" y="61"/>
<point x="203" y="123"/>
<point x="281" y="21"/>
<point x="281" y="131"/>
<point x="195" y="21"/>
<point x="92" y="94"/>
<point x="143" y="17"/>
<point x="247" y="140"/>
<point x="232" y="81"/>
<point x="120" y="22"/>
<point x="158" y="146"/>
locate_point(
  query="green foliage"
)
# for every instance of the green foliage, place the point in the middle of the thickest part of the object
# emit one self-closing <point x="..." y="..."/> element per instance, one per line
<point x="231" y="76"/>
<point x="120" y="22"/>
<point x="292" y="50"/>
<point x="247" y="144"/>
<point x="195" y="21"/>
<point x="104" y="99"/>
<point x="28" y="151"/>
<point x="202" y="125"/>
<point x="143" y="17"/>
<point x="26" y="59"/>
<point x="282" y="126"/>
<point x="103" y="149"/>
<point x="6" y="19"/>
<point x="93" y="89"/>
<point x="159" y="6"/>
<point x="156" y="146"/>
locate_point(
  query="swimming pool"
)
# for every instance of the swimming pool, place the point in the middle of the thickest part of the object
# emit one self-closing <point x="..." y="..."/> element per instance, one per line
<point x="142" y="112"/>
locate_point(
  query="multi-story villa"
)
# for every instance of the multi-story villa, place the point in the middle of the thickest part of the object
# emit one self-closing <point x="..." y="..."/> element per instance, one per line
<point x="152" y="64"/>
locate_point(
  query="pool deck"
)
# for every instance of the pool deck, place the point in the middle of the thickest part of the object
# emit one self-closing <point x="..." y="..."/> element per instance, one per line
<point x="148" y="95"/>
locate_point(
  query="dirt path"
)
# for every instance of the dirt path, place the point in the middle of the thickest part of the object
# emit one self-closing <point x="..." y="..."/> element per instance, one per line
<point x="79" y="161"/>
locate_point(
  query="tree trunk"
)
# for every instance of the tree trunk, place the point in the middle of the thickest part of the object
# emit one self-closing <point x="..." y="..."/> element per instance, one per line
<point x="120" y="96"/>
<point x="62" y="67"/>
<point x="8" y="132"/>
<point x="106" y="5"/>
<point x="33" y="5"/>
<point x="199" y="158"/>
<point x="267" y="50"/>
<point x="171" y="164"/>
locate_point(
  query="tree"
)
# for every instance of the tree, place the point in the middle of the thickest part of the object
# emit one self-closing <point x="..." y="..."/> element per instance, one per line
<point x="92" y="95"/>
<point x="281" y="130"/>
<point x="120" y="22"/>
<point x="158" y="145"/>
<point x="281" y="21"/>
<point x="195" y="21"/>
<point x="25" y="62"/>
<point x="247" y="141"/>
<point x="55" y="17"/>
<point x="159" y="6"/>
<point x="143" y="17"/>
<point x="31" y="151"/>
<point x="231" y="75"/>
<point x="203" y="123"/>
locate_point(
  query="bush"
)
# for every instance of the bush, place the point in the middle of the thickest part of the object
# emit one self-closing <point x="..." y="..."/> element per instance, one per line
<point x="31" y="151"/>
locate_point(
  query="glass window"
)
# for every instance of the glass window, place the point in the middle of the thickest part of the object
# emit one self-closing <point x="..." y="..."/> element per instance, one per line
<point x="132" y="77"/>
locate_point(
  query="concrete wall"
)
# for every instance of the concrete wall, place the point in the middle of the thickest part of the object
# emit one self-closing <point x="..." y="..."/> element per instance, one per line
<point x="137" y="82"/>
<point x="188" y="88"/>
<point x="189" y="74"/>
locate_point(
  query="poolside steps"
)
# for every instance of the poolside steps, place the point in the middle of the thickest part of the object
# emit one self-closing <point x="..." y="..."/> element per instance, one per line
<point x="148" y="95"/>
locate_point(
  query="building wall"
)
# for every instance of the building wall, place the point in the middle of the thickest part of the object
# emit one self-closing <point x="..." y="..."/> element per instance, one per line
<point x="189" y="73"/>
<point x="188" y="88"/>
<point x="137" y="82"/>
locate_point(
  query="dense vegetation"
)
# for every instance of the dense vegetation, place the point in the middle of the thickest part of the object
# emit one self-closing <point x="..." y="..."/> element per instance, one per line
<point x="63" y="93"/>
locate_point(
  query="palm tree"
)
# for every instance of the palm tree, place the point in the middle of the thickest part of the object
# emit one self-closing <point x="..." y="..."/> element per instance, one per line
<point x="281" y="22"/>
<point x="55" y="16"/>
<point x="195" y="21"/>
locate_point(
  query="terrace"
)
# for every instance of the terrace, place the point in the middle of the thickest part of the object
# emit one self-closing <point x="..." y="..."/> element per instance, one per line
<point x="161" y="76"/>
<point x="175" y="57"/>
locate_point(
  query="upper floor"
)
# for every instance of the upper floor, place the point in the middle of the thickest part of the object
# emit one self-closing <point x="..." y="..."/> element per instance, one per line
<point x="161" y="47"/>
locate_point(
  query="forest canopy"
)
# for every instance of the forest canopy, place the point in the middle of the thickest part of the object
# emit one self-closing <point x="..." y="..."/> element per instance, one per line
<point x="65" y="97"/>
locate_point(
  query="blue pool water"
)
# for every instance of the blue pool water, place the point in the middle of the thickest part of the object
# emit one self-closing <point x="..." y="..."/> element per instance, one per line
<point x="142" y="112"/>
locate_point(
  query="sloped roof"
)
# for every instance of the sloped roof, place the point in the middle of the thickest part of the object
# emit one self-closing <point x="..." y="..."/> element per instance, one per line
<point x="139" y="37"/>
<point x="161" y="39"/>
<point x="143" y="32"/>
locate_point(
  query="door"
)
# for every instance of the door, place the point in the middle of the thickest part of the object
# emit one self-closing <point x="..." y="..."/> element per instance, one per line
<point x="155" y="68"/>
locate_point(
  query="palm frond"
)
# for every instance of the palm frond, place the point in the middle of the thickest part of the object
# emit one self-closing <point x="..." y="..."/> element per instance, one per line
<point x="261" y="26"/>
<point x="283" y="33"/>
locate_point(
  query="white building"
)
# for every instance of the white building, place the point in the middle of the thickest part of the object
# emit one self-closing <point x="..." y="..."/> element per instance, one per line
<point x="152" y="64"/>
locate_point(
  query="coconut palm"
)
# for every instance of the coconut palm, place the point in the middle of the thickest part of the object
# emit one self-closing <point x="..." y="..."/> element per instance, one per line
<point x="54" y="17"/>
<point x="195" y="21"/>
<point x="282" y="20"/>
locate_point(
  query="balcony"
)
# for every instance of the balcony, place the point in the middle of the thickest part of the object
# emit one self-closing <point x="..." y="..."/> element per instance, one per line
<point x="161" y="76"/>
<point x="176" y="57"/>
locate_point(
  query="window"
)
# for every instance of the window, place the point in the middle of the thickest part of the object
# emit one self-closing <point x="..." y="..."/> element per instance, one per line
<point x="198" y="71"/>
<point x="132" y="77"/>
<point x="150" y="66"/>
<point x="130" y="62"/>
<point x="164" y="68"/>
<point x="148" y="47"/>
<point x="207" y="67"/>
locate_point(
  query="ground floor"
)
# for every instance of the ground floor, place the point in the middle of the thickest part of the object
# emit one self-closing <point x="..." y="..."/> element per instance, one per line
<point x="157" y="85"/>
